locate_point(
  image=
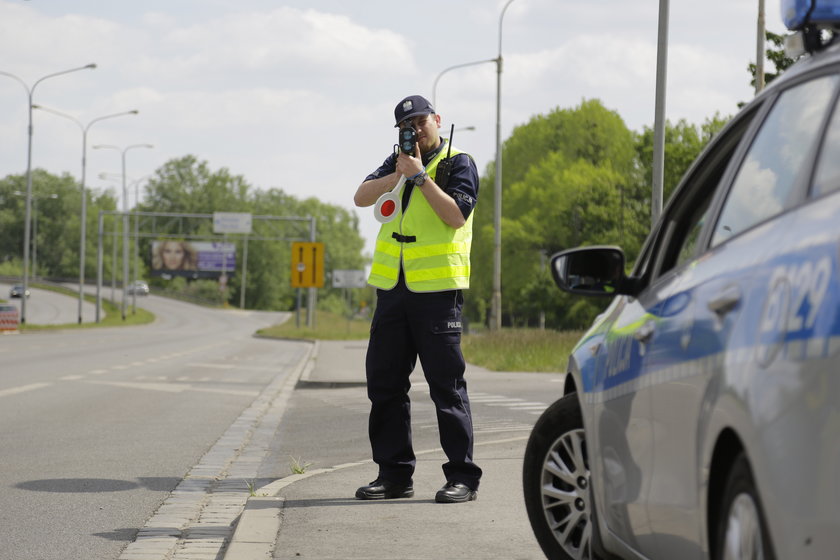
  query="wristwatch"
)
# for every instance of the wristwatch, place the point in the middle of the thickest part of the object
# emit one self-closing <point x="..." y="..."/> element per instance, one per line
<point x="418" y="182"/>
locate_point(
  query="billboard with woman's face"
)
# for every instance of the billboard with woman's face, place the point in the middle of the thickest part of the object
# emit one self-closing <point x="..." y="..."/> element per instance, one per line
<point x="192" y="259"/>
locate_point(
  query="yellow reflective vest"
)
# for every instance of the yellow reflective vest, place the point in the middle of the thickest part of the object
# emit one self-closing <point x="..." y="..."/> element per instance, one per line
<point x="435" y="257"/>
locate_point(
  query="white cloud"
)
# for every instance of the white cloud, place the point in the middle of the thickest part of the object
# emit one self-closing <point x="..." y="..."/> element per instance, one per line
<point x="301" y="95"/>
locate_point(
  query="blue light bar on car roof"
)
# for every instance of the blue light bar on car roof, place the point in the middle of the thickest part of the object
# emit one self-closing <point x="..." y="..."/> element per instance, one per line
<point x="798" y="13"/>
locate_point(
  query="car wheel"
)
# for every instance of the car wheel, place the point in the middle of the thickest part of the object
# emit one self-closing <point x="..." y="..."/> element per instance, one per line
<point x="555" y="480"/>
<point x="742" y="532"/>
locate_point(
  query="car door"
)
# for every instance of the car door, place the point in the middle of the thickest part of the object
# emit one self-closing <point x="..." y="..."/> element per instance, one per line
<point x="620" y="420"/>
<point x="720" y="284"/>
<point x="638" y="338"/>
<point x="618" y="388"/>
<point x="791" y="384"/>
<point x="664" y="313"/>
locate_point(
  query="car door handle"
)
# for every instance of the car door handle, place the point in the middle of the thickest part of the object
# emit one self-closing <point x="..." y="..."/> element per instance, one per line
<point x="644" y="333"/>
<point x="726" y="301"/>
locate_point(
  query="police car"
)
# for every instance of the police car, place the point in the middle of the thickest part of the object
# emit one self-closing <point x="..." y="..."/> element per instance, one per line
<point x="701" y="411"/>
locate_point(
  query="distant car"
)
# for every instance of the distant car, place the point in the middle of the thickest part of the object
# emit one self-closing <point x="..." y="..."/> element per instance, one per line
<point x="139" y="288"/>
<point x="700" y="414"/>
<point x="17" y="291"/>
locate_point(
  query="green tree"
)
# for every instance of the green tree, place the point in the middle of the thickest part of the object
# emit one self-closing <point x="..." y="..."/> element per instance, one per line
<point x="775" y="54"/>
<point x="572" y="177"/>
<point x="683" y="143"/>
<point x="568" y="181"/>
<point x="56" y="209"/>
<point x="188" y="186"/>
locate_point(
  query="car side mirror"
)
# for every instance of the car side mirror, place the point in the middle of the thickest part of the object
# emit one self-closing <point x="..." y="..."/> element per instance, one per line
<point x="590" y="271"/>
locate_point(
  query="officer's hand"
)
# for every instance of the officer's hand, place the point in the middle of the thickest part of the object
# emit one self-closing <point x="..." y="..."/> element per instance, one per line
<point x="409" y="165"/>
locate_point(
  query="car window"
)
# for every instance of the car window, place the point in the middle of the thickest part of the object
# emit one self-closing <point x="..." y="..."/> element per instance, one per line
<point x="686" y="248"/>
<point x="768" y="174"/>
<point x="827" y="178"/>
<point x="688" y="213"/>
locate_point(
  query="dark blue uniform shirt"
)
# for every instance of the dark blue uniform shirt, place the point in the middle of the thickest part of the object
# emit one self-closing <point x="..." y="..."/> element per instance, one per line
<point x="461" y="186"/>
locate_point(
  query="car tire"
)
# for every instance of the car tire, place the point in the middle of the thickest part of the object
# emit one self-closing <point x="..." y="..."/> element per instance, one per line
<point x="742" y="529"/>
<point x="555" y="480"/>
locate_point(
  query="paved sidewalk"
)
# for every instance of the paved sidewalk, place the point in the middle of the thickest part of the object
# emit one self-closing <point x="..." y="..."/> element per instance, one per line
<point x="315" y="516"/>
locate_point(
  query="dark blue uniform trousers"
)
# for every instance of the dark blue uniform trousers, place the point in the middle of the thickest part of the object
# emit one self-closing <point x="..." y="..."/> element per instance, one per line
<point x="407" y="325"/>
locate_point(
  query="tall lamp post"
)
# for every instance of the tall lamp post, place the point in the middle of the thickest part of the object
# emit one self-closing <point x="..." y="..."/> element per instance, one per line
<point x="658" y="176"/>
<point x="30" y="91"/>
<point x="445" y="70"/>
<point x="125" y="216"/>
<point x="759" y="49"/>
<point x="496" y="302"/>
<point x="496" y="305"/>
<point x="136" y="184"/>
<point x="83" y="235"/>
<point x="136" y="241"/>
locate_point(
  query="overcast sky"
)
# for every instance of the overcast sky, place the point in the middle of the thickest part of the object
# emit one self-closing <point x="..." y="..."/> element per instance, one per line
<point x="299" y="94"/>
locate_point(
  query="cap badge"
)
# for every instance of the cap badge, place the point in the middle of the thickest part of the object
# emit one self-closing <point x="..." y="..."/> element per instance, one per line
<point x="408" y="105"/>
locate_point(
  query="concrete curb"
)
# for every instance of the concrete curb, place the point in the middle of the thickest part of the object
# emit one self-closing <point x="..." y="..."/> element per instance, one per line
<point x="197" y="518"/>
<point x="257" y="529"/>
<point x="310" y="364"/>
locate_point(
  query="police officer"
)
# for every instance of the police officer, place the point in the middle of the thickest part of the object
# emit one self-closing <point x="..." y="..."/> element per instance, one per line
<point x="420" y="266"/>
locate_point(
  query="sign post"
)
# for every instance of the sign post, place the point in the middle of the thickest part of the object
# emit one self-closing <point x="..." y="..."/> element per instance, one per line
<point x="307" y="265"/>
<point x="347" y="279"/>
<point x="231" y="222"/>
<point x="307" y="272"/>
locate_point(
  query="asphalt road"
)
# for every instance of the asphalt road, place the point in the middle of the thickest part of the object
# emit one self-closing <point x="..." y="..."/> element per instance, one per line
<point x="98" y="426"/>
<point x="101" y="430"/>
<point x="50" y="308"/>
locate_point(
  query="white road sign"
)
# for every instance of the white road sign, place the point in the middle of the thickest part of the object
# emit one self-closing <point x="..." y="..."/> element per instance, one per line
<point x="349" y="279"/>
<point x="231" y="222"/>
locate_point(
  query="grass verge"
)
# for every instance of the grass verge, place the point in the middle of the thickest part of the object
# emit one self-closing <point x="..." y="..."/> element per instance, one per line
<point x="113" y="314"/>
<point x="506" y="350"/>
<point x="520" y="349"/>
<point x="328" y="326"/>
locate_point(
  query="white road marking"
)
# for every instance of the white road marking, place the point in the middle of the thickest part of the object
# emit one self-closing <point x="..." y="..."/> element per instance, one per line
<point x="216" y="366"/>
<point x="165" y="387"/>
<point x="242" y="392"/>
<point x="235" y="366"/>
<point x="174" y="388"/>
<point x="23" y="389"/>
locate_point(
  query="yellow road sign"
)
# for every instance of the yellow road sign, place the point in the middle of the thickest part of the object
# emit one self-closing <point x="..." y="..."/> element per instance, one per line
<point x="307" y="265"/>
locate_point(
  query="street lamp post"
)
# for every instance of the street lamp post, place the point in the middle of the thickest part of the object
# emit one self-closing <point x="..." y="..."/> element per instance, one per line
<point x="445" y="70"/>
<point x="759" y="49"/>
<point x="125" y="216"/>
<point x="658" y="175"/>
<point x="136" y="242"/>
<point x="83" y="233"/>
<point x="496" y="302"/>
<point x="136" y="183"/>
<point x="30" y="91"/>
<point x="496" y="307"/>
